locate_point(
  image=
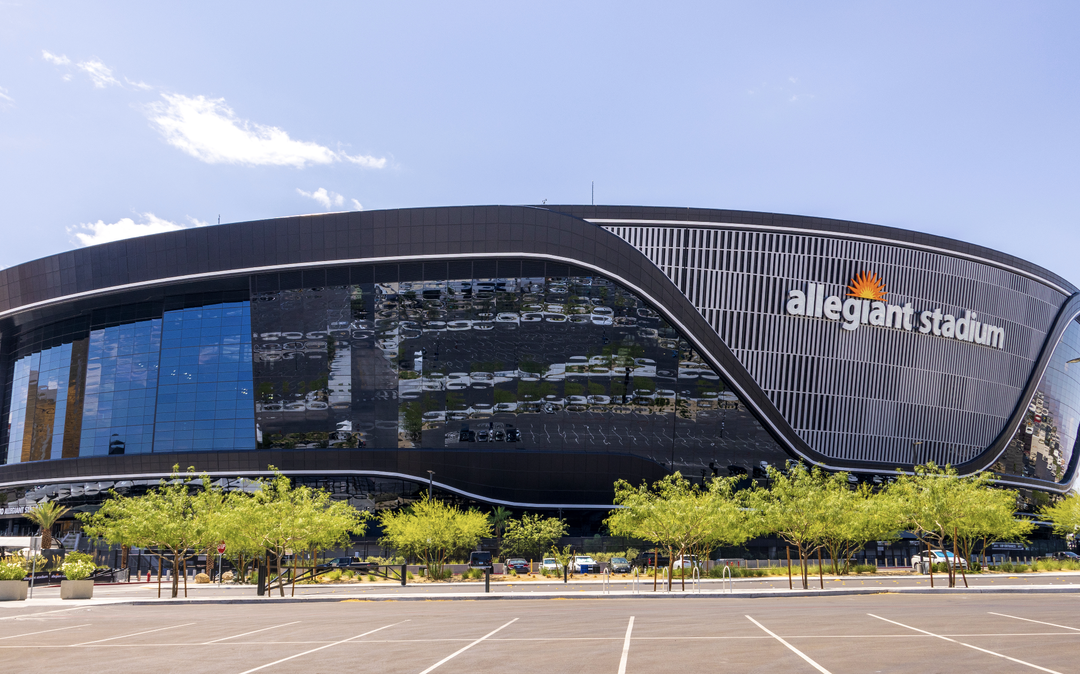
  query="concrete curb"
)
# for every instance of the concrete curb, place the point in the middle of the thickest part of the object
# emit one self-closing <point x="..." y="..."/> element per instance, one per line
<point x="535" y="596"/>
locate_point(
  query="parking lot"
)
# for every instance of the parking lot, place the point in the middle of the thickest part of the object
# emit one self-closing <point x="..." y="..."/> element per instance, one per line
<point x="875" y="633"/>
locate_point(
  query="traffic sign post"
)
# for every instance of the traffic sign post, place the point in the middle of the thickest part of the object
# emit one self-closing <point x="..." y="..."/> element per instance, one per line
<point x="220" y="551"/>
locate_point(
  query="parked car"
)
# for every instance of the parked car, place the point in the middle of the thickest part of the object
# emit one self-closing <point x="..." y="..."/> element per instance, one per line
<point x="619" y="565"/>
<point x="353" y="564"/>
<point x="937" y="558"/>
<point x="686" y="562"/>
<point x="1064" y="556"/>
<point x="518" y="564"/>
<point x="584" y="564"/>
<point x="479" y="560"/>
<point x="550" y="564"/>
<point x="649" y="559"/>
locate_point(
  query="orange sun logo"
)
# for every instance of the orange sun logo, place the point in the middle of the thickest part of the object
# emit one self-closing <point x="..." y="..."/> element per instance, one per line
<point x="867" y="286"/>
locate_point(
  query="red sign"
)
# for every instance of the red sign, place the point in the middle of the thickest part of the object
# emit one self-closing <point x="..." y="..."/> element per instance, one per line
<point x="221" y="548"/>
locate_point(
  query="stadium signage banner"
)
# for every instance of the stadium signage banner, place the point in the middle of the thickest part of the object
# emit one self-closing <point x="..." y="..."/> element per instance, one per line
<point x="865" y="305"/>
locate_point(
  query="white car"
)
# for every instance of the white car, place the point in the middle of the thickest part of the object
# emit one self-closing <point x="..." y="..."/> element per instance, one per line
<point x="585" y="564"/>
<point x="550" y="564"/>
<point x="937" y="558"/>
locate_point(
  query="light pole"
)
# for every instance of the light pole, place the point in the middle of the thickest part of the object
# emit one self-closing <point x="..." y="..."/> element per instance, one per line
<point x="430" y="476"/>
<point x="915" y="453"/>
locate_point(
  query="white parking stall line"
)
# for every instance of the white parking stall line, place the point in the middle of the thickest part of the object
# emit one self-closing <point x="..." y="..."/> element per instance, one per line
<point x="465" y="648"/>
<point x="794" y="650"/>
<point x="1064" y="627"/>
<point x="31" y="615"/>
<point x="961" y="643"/>
<point x="30" y="634"/>
<point x="313" y="650"/>
<point x="626" y="646"/>
<point x="237" y="636"/>
<point x="125" y="636"/>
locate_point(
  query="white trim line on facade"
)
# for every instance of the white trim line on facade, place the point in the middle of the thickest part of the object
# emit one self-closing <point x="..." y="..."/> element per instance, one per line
<point x="316" y="473"/>
<point x="840" y="235"/>
<point x="743" y="394"/>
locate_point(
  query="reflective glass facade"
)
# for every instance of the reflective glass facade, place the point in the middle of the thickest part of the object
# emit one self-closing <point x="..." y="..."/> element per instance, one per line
<point x="1047" y="441"/>
<point x="176" y="383"/>
<point x="567" y="363"/>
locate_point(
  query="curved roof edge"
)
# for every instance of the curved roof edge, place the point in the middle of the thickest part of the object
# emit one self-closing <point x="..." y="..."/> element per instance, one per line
<point x="600" y="214"/>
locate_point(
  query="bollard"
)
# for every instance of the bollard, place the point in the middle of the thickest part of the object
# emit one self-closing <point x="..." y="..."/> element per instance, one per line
<point x="404" y="573"/>
<point x="565" y="572"/>
<point x="487" y="579"/>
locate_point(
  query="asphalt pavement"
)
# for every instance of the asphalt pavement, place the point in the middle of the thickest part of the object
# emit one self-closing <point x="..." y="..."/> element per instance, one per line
<point x="879" y="633"/>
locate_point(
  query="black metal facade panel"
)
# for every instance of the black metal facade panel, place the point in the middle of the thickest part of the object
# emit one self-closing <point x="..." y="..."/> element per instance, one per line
<point x="868" y="394"/>
<point x="527" y="477"/>
<point x="824" y="225"/>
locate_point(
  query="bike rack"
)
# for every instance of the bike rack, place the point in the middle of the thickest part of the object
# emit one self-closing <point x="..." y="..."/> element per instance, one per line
<point x="635" y="584"/>
<point x="607" y="581"/>
<point x="696" y="580"/>
<point x="726" y="573"/>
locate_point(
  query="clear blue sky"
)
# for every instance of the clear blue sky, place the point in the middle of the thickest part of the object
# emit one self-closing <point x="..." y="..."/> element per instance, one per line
<point x="957" y="118"/>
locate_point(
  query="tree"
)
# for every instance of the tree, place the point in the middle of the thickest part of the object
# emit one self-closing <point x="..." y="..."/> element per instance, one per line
<point x="433" y="531"/>
<point x="857" y="516"/>
<point x="499" y="517"/>
<point x="280" y="517"/>
<point x="992" y="518"/>
<point x="531" y="536"/>
<point x="1064" y="515"/>
<point x="177" y="518"/>
<point x="941" y="506"/>
<point x="798" y="509"/>
<point x="45" y="515"/>
<point x="679" y="516"/>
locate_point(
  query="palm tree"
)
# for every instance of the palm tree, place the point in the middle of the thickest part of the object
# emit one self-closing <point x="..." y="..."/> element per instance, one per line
<point x="45" y="515"/>
<point x="498" y="518"/>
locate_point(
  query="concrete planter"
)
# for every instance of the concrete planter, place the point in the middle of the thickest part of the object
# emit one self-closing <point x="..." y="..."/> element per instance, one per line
<point x="13" y="590"/>
<point x="76" y="589"/>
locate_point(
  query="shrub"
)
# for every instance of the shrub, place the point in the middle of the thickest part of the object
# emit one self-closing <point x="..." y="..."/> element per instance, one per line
<point x="371" y="578"/>
<point x="347" y="575"/>
<point x="864" y="568"/>
<point x="78" y="566"/>
<point x="12" y="568"/>
<point x="332" y="576"/>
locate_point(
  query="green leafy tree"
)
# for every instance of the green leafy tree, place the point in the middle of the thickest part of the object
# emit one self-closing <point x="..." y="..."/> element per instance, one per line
<point x="857" y="517"/>
<point x="531" y="535"/>
<point x="499" y="517"/>
<point x="433" y="532"/>
<point x="992" y="518"/>
<point x="45" y="515"/>
<point x="796" y="508"/>
<point x="939" y="505"/>
<point x="177" y="519"/>
<point x="280" y="517"/>
<point x="679" y="516"/>
<point x="1064" y="515"/>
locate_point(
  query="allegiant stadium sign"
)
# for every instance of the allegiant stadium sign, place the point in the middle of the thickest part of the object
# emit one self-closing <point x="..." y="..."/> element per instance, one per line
<point x="864" y="305"/>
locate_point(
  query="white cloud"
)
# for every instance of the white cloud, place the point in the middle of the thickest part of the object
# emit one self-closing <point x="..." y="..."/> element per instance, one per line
<point x="326" y="199"/>
<point x="5" y="100"/>
<point x="209" y="130"/>
<point x="139" y="85"/>
<point x="54" y="59"/>
<point x="357" y="206"/>
<point x="92" y="233"/>
<point x="99" y="73"/>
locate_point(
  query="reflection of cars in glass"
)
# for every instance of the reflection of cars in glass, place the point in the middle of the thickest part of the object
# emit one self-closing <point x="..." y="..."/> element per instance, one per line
<point x="465" y="435"/>
<point x="483" y="436"/>
<point x="512" y="434"/>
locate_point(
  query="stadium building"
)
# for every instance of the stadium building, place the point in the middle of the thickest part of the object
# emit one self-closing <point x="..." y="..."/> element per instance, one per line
<point x="530" y="356"/>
